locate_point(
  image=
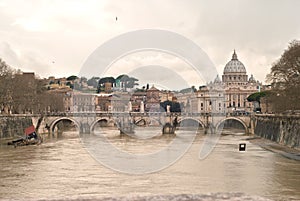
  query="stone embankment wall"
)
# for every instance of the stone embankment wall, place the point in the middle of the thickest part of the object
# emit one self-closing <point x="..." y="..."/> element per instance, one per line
<point x="284" y="129"/>
<point x="13" y="126"/>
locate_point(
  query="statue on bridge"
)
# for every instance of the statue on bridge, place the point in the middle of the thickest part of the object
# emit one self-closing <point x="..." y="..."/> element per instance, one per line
<point x="142" y="107"/>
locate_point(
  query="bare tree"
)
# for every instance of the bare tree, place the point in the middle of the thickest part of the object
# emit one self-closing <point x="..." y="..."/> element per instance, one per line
<point x="24" y="93"/>
<point x="285" y="79"/>
<point x="5" y="87"/>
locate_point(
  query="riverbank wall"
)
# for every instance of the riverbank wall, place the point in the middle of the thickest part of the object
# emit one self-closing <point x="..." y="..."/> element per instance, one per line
<point x="283" y="129"/>
<point x="13" y="126"/>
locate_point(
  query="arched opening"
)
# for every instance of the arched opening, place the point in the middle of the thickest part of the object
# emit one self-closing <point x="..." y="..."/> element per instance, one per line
<point x="64" y="127"/>
<point x="154" y="122"/>
<point x="140" y="122"/>
<point x="105" y="127"/>
<point x="190" y="124"/>
<point x="102" y="123"/>
<point x="232" y="127"/>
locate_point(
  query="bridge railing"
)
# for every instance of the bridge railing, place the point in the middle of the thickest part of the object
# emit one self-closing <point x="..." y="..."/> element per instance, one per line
<point x="118" y="113"/>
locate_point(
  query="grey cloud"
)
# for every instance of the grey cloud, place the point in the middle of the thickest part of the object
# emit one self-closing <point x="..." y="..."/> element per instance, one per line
<point x="27" y="61"/>
<point x="258" y="30"/>
<point x="162" y="77"/>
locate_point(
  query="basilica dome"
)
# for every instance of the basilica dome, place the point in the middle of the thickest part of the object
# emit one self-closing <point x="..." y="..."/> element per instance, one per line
<point x="234" y="66"/>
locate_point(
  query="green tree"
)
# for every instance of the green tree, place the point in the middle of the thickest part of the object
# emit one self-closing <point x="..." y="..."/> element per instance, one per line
<point x="102" y="81"/>
<point x="256" y="96"/>
<point x="107" y="79"/>
<point x="93" y="82"/>
<point x="72" y="78"/>
<point x="127" y="82"/>
<point x="174" y="106"/>
<point x="70" y="85"/>
<point x="285" y="79"/>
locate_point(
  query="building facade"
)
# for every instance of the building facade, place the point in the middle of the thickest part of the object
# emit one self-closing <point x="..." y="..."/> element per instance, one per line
<point x="225" y="94"/>
<point x="83" y="102"/>
<point x="153" y="100"/>
<point x="228" y="95"/>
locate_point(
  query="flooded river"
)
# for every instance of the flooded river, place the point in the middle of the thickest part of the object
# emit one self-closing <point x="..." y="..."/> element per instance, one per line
<point x="62" y="168"/>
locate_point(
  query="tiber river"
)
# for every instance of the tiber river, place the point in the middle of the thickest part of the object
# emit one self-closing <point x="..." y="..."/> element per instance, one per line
<point x="61" y="168"/>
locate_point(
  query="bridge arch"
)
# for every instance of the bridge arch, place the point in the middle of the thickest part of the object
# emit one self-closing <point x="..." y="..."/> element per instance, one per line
<point x="108" y="121"/>
<point x="232" y="118"/>
<point x="140" y="122"/>
<point x="191" y="118"/>
<point x="56" y="121"/>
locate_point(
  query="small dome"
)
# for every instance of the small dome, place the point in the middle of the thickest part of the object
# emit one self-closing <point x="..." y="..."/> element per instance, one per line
<point x="234" y="65"/>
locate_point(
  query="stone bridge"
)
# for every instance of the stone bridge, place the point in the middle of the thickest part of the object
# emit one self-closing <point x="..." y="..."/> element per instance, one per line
<point x="86" y="122"/>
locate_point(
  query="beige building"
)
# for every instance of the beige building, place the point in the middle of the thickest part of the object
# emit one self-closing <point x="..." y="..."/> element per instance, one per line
<point x="153" y="100"/>
<point x="137" y="98"/>
<point x="83" y="102"/>
<point x="228" y="95"/>
<point x="166" y="96"/>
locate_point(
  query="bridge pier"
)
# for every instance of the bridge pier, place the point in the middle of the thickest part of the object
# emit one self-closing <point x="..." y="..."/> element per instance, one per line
<point x="126" y="125"/>
<point x="85" y="128"/>
<point x="170" y="125"/>
<point x="168" y="129"/>
<point x="210" y="130"/>
<point x="126" y="130"/>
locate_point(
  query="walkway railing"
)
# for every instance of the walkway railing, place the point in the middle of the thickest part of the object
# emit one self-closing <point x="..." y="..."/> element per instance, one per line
<point x="118" y="113"/>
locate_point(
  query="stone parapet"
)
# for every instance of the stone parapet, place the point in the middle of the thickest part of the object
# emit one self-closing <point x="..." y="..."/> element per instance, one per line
<point x="281" y="128"/>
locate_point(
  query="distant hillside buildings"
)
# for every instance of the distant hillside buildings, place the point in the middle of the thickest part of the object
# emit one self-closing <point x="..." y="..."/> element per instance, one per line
<point x="227" y="94"/>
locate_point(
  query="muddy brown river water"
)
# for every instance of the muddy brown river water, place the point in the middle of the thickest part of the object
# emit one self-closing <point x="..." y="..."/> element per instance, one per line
<point x="62" y="168"/>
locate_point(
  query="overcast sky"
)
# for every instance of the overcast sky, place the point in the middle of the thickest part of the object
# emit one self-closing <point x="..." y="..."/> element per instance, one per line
<point x="56" y="37"/>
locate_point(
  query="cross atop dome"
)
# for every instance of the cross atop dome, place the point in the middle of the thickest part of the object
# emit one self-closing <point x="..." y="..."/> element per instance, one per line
<point x="234" y="56"/>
